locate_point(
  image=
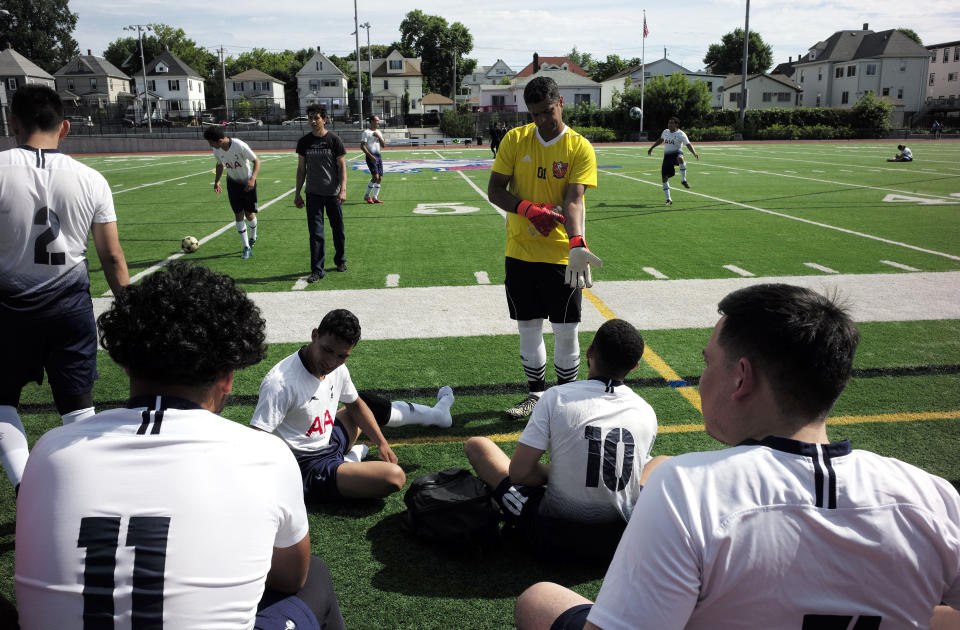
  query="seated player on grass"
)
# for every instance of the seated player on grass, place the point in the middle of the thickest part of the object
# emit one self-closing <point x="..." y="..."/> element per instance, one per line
<point x="299" y="400"/>
<point x="785" y="530"/>
<point x="905" y="155"/>
<point x="599" y="434"/>
<point x="162" y="514"/>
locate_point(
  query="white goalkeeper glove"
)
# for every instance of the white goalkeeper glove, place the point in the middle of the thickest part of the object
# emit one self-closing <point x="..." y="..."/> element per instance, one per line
<point x="577" y="274"/>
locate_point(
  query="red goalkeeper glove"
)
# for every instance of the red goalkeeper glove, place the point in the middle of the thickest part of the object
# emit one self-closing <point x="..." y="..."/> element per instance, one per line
<point x="577" y="274"/>
<point x="542" y="215"/>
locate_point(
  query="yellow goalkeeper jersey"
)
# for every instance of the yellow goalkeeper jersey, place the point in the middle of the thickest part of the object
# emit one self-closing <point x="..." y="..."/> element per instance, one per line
<point x="540" y="172"/>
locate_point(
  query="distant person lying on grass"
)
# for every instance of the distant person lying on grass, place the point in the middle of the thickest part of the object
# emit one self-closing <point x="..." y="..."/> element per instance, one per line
<point x="299" y="400"/>
<point x="905" y="155"/>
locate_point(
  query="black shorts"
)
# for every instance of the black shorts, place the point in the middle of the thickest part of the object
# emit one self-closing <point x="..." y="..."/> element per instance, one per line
<point x="319" y="472"/>
<point x="670" y="161"/>
<point x="573" y="618"/>
<point x="537" y="291"/>
<point x="241" y="200"/>
<point x="375" y="165"/>
<point x="63" y="345"/>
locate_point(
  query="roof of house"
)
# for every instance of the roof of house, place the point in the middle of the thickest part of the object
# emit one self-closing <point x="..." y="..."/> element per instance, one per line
<point x="734" y="80"/>
<point x="436" y="99"/>
<point x="564" y="78"/>
<point x="90" y="64"/>
<point x="865" y="44"/>
<point x="254" y="75"/>
<point x="176" y="66"/>
<point x="411" y="68"/>
<point x="13" y="63"/>
<point x="551" y="61"/>
<point x="943" y="45"/>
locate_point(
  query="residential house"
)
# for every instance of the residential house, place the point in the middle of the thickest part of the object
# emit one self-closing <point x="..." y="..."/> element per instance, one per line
<point x="321" y="82"/>
<point x="764" y="91"/>
<point x="576" y="89"/>
<point x="943" y="82"/>
<point x="394" y="78"/>
<point x="436" y="103"/>
<point x="17" y="71"/>
<point x="92" y="81"/>
<point x="485" y="75"/>
<point x="174" y="89"/>
<point x="837" y="71"/>
<point x="550" y="63"/>
<point x="260" y="91"/>
<point x="630" y="77"/>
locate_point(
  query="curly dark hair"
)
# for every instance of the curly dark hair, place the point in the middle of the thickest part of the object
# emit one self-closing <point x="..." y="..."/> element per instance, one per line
<point x="37" y="107"/>
<point x="342" y="324"/>
<point x="185" y="325"/>
<point x="541" y="89"/>
<point x="212" y="134"/>
<point x="619" y="347"/>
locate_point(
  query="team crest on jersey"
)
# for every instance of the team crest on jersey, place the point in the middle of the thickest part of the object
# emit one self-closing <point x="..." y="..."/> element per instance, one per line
<point x="419" y="166"/>
<point x="559" y="169"/>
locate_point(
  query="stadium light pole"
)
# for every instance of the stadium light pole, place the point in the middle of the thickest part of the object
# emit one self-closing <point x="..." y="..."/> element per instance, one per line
<point x="356" y="33"/>
<point x="366" y="25"/>
<point x="140" y="28"/>
<point x="743" y="81"/>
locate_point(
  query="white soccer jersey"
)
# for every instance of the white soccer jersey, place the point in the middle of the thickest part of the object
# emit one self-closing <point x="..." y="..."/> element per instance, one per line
<point x="599" y="436"/>
<point x="48" y="201"/>
<point x="176" y="503"/>
<point x="784" y="535"/>
<point x="674" y="141"/>
<point x="299" y="407"/>
<point x="371" y="139"/>
<point x="237" y="160"/>
<point x="907" y="153"/>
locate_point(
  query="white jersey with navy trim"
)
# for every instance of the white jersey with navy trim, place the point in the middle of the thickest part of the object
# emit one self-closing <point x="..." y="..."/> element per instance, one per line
<point x="299" y="407"/>
<point x="237" y="160"/>
<point x="674" y="141"/>
<point x="166" y="512"/>
<point x="48" y="202"/>
<point x="784" y="535"/>
<point x="371" y="138"/>
<point x="599" y="435"/>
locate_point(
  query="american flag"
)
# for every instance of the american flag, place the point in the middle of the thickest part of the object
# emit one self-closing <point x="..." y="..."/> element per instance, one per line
<point x="646" y="31"/>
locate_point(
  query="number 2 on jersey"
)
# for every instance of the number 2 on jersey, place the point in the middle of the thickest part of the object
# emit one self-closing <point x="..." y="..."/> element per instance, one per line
<point x="41" y="256"/>
<point x="602" y="457"/>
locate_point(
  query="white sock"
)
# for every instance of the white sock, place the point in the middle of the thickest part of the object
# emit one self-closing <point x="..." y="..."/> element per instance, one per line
<point x="666" y="190"/>
<point x="403" y="413"/>
<point x="357" y="453"/>
<point x="566" y="352"/>
<point x="369" y="188"/>
<point x="242" y="231"/>
<point x="252" y="226"/>
<point x="376" y="190"/>
<point x="13" y="444"/>
<point x="533" y="352"/>
<point x="79" y="414"/>
<point x="683" y="172"/>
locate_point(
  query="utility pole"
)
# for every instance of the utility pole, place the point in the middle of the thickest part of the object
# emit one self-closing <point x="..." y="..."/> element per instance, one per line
<point x="453" y="88"/>
<point x="356" y="33"/>
<point x="223" y="74"/>
<point x="366" y="25"/>
<point x="140" y="28"/>
<point x="743" y="81"/>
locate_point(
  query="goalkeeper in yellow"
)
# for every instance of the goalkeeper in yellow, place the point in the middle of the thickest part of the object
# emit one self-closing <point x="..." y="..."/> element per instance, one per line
<point x="539" y="177"/>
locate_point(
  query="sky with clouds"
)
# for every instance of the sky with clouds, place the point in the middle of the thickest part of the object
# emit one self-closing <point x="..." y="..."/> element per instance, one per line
<point x="513" y="31"/>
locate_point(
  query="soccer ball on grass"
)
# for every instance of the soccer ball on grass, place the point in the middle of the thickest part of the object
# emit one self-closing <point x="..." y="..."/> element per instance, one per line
<point x="636" y="113"/>
<point x="189" y="244"/>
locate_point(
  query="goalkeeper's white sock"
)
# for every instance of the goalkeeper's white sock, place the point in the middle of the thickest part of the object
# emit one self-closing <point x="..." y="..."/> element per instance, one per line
<point x="13" y="444"/>
<point x="242" y="231"/>
<point x="566" y="352"/>
<point x="533" y="353"/>
<point x="252" y="226"/>
<point x="79" y="414"/>
<point x="683" y="172"/>
<point x="376" y="191"/>
<point x="404" y="413"/>
<point x="666" y="190"/>
<point x="369" y="188"/>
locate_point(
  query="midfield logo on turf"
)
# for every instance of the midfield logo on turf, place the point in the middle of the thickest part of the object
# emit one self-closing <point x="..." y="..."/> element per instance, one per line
<point x="420" y="166"/>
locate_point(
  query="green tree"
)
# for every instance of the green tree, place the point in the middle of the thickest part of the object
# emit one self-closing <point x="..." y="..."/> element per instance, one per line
<point x="872" y="115"/>
<point x="727" y="56"/>
<point x="912" y="34"/>
<point x="41" y="31"/>
<point x="584" y="60"/>
<point x="669" y="96"/>
<point x="437" y="44"/>
<point x="605" y="69"/>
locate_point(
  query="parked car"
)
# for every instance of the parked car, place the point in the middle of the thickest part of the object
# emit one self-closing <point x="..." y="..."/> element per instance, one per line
<point x="299" y="120"/>
<point x="80" y="121"/>
<point x="156" y="122"/>
<point x="247" y="122"/>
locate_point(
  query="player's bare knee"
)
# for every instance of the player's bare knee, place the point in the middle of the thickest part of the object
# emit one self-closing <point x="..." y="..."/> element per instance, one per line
<point x="475" y="447"/>
<point x="395" y="479"/>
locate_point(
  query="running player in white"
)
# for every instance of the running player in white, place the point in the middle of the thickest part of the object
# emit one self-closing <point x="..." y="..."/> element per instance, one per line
<point x="299" y="400"/>
<point x="673" y="141"/>
<point x="163" y="514"/>
<point x="599" y="434"/>
<point x="49" y="204"/>
<point x="785" y="529"/>
<point x="371" y="141"/>
<point x="236" y="157"/>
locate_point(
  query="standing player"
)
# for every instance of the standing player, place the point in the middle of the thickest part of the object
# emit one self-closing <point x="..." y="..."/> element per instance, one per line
<point x="539" y="177"/>
<point x="673" y="141"/>
<point x="298" y="401"/>
<point x="163" y="514"/>
<point x="236" y="156"/>
<point x="49" y="203"/>
<point x="323" y="167"/>
<point x="599" y="434"/>
<point x="371" y="141"/>
<point x="784" y="530"/>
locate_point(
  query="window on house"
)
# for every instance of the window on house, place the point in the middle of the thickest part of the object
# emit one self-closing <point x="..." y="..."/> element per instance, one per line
<point x="818" y="101"/>
<point x="319" y="66"/>
<point x="871" y="69"/>
<point x="396" y="64"/>
<point x="314" y="85"/>
<point x="386" y="84"/>
<point x="499" y="100"/>
<point x="819" y="74"/>
<point x="783" y="97"/>
<point x="933" y="57"/>
<point x="93" y="84"/>
<point x="173" y="85"/>
<point x="152" y="85"/>
<point x="11" y="83"/>
<point x="903" y="66"/>
<point x="838" y="73"/>
<point x="329" y="83"/>
<point x="931" y="82"/>
<point x="406" y="84"/>
<point x="733" y="97"/>
<point x="845" y="98"/>
<point x="851" y="71"/>
<point x="886" y="92"/>
<point x="69" y="84"/>
<point x="946" y="55"/>
<point x="956" y="53"/>
<point x="768" y="97"/>
<point x="801" y="76"/>
<point x="900" y="94"/>
<point x="951" y="76"/>
<point x="238" y="86"/>
<point x="581" y="99"/>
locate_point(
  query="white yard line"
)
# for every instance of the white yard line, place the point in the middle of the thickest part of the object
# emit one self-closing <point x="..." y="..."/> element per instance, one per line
<point x="167" y="181"/>
<point x="818" y="267"/>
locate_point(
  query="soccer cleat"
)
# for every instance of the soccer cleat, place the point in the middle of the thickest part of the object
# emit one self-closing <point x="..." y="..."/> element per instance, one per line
<point x="523" y="408"/>
<point x="669" y="202"/>
<point x="246" y="252"/>
<point x="368" y="200"/>
<point x="314" y="277"/>
<point x="252" y="242"/>
<point x="685" y="184"/>
<point x="378" y="200"/>
<point x="342" y="267"/>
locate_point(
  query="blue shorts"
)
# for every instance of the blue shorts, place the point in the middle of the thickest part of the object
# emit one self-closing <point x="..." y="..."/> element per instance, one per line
<point x="64" y="345"/>
<point x="536" y="290"/>
<point x="375" y="166"/>
<point x="280" y="615"/>
<point x="670" y="161"/>
<point x="573" y="618"/>
<point x="319" y="471"/>
<point x="241" y="200"/>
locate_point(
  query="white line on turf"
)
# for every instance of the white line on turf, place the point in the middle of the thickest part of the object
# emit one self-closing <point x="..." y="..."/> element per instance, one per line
<point x="482" y="277"/>
<point x="813" y="265"/>
<point x="173" y="179"/>
<point x="393" y="280"/>
<point x="739" y="271"/>
<point x="300" y="284"/>
<point x="653" y="272"/>
<point x="500" y="211"/>
<point x="899" y="265"/>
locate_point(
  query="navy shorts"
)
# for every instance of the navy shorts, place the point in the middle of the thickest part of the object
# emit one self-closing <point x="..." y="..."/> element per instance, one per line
<point x="670" y="161"/>
<point x="375" y="166"/>
<point x="241" y="200"/>
<point x="290" y="612"/>
<point x="536" y="290"/>
<point x="573" y="618"/>
<point x="63" y="345"/>
<point x="319" y="472"/>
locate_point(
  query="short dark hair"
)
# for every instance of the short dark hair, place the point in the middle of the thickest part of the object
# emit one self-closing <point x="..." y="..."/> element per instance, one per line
<point x="37" y="107"/>
<point x="342" y="324"/>
<point x="214" y="133"/>
<point x="900" y="146"/>
<point x="800" y="340"/>
<point x="317" y="109"/>
<point x="674" y="119"/>
<point x="618" y="346"/>
<point x="541" y="89"/>
<point x="184" y="325"/>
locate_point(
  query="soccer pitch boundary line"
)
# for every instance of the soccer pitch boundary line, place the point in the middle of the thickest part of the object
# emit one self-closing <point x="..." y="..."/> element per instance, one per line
<point x="793" y="218"/>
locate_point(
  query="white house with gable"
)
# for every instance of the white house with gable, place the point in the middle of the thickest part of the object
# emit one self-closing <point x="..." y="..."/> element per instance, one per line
<point x="630" y="78"/>
<point x="174" y="88"/>
<point x="321" y="82"/>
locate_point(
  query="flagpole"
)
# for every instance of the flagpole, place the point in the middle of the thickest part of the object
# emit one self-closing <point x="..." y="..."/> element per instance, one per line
<point x="643" y="70"/>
